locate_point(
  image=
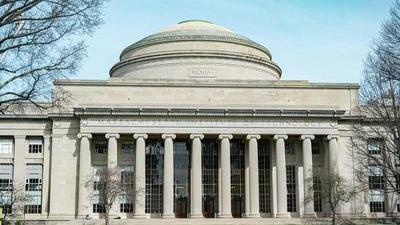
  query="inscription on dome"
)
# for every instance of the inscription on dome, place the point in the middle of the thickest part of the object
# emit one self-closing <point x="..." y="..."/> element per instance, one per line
<point x="201" y="72"/>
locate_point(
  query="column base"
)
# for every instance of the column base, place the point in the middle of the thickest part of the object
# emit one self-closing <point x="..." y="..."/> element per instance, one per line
<point x="168" y="216"/>
<point x="310" y="215"/>
<point x="196" y="216"/>
<point x="253" y="215"/>
<point x="139" y="216"/>
<point x="282" y="215"/>
<point x="225" y="215"/>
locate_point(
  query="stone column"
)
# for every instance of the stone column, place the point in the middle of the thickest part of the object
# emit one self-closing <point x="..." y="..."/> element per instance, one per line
<point x="46" y="174"/>
<point x="253" y="178"/>
<point x="112" y="155"/>
<point x="332" y="152"/>
<point x="196" y="184"/>
<point x="225" y="207"/>
<point x="168" y="191"/>
<point x="281" y="176"/>
<point x="140" y="176"/>
<point x="308" y="176"/>
<point x="84" y="171"/>
<point x="112" y="163"/>
<point x="20" y="150"/>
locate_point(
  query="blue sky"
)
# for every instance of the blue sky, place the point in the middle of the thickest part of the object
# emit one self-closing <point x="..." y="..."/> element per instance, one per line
<point x="316" y="40"/>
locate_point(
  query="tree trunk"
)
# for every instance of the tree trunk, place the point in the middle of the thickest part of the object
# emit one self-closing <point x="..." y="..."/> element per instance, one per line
<point x="107" y="215"/>
<point x="333" y="217"/>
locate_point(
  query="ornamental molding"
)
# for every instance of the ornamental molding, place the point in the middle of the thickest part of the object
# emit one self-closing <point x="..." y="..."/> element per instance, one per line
<point x="174" y="37"/>
<point x="216" y="112"/>
<point x="197" y="54"/>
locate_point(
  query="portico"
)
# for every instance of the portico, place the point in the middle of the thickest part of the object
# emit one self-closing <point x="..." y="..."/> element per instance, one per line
<point x="231" y="128"/>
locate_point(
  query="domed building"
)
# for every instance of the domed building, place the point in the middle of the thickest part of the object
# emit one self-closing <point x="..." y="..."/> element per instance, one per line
<point x="200" y="124"/>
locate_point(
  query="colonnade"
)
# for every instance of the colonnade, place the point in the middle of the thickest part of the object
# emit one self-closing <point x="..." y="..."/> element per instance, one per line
<point x="196" y="177"/>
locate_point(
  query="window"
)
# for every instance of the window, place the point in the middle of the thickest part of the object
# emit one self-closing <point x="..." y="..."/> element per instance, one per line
<point x="6" y="178"/>
<point x="317" y="186"/>
<point x="316" y="147"/>
<point x="264" y="174"/>
<point x="126" y="198"/>
<point x="33" y="189"/>
<point x="289" y="147"/>
<point x="126" y="207"/>
<point x="101" y="147"/>
<point x="376" y="189"/>
<point x="154" y="175"/>
<point x="182" y="172"/>
<point x="374" y="146"/>
<point x="35" y="145"/>
<point x="128" y="148"/>
<point x="6" y="145"/>
<point x="238" y="173"/>
<point x="98" y="207"/>
<point x="376" y="201"/>
<point x="209" y="159"/>
<point x="291" y="188"/>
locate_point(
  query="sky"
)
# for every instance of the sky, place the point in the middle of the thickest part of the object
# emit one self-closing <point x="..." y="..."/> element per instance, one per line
<point x="316" y="40"/>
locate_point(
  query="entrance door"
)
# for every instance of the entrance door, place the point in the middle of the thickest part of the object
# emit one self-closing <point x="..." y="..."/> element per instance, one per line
<point x="208" y="204"/>
<point x="181" y="207"/>
<point x="237" y="207"/>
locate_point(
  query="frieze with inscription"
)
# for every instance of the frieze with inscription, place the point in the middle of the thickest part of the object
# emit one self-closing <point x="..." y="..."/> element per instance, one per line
<point x="221" y="122"/>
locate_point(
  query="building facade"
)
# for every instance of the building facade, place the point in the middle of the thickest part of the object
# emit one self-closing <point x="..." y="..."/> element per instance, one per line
<point x="200" y="124"/>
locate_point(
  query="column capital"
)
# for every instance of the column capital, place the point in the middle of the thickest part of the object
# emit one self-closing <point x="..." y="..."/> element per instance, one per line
<point x="251" y="136"/>
<point x="116" y="136"/>
<point x="280" y="136"/>
<point x="222" y="136"/>
<point x="165" y="136"/>
<point x="193" y="136"/>
<point x="332" y="136"/>
<point x="307" y="136"/>
<point x="86" y="135"/>
<point x="144" y="136"/>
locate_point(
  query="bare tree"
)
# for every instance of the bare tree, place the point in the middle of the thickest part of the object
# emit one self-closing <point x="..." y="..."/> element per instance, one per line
<point x="106" y="186"/>
<point x="334" y="190"/>
<point x="377" y="139"/>
<point x="41" y="40"/>
<point x="12" y="200"/>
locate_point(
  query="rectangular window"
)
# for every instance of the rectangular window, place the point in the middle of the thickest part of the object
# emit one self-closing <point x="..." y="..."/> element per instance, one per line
<point x="317" y="186"/>
<point x="35" y="145"/>
<point x="376" y="189"/>
<point x="6" y="179"/>
<point x="374" y="146"/>
<point x="128" y="181"/>
<point x="376" y="201"/>
<point x="126" y="207"/>
<point x="264" y="174"/>
<point x="101" y="147"/>
<point x="33" y="188"/>
<point x="289" y="147"/>
<point x="98" y="207"/>
<point x="6" y="145"/>
<point x="128" y="148"/>
<point x="291" y="188"/>
<point x="316" y="147"/>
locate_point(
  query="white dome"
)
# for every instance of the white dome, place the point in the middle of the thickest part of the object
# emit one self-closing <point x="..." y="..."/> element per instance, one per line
<point x="196" y="49"/>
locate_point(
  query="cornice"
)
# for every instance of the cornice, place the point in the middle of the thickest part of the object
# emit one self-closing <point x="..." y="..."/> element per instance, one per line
<point x="197" y="54"/>
<point x="328" y="113"/>
<point x="299" y="84"/>
<point x="171" y="37"/>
